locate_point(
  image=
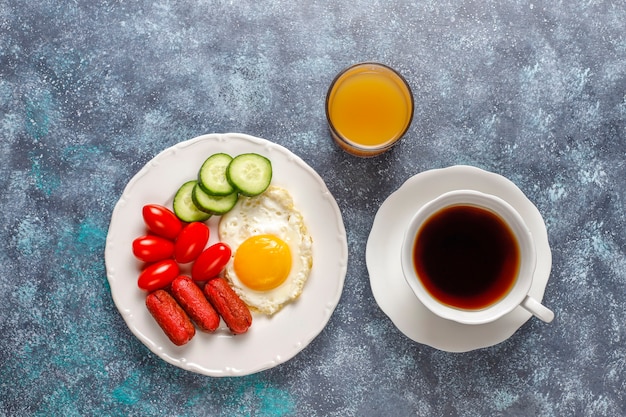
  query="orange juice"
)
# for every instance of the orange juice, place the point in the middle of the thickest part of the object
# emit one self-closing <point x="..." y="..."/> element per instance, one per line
<point x="369" y="107"/>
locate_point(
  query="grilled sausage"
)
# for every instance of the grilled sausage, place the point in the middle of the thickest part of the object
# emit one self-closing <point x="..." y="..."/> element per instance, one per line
<point x="192" y="300"/>
<point x="171" y="317"/>
<point x="233" y="310"/>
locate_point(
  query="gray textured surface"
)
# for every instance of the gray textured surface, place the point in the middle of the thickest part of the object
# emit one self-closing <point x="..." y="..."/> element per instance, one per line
<point x="90" y="91"/>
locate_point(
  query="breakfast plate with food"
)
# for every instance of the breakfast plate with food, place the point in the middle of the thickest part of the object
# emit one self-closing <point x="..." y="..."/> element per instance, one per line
<point x="392" y="292"/>
<point x="226" y="254"/>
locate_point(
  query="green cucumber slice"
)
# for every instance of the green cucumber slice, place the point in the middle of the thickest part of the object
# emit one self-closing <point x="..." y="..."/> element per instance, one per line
<point x="213" y="204"/>
<point x="212" y="175"/>
<point x="249" y="173"/>
<point x="184" y="206"/>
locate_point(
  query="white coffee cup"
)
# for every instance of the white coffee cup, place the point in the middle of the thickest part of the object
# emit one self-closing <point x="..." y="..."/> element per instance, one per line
<point x="519" y="279"/>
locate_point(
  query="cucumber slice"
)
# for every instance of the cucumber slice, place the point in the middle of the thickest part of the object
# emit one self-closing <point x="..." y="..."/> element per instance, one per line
<point x="249" y="173"/>
<point x="184" y="206"/>
<point x="212" y="175"/>
<point x="213" y="204"/>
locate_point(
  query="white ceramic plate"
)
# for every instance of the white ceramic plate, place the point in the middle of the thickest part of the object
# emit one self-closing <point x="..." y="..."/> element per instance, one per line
<point x="392" y="292"/>
<point x="269" y="341"/>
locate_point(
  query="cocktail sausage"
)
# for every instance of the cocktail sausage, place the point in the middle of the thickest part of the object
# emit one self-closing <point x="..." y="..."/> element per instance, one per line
<point x="233" y="310"/>
<point x="193" y="301"/>
<point x="170" y="316"/>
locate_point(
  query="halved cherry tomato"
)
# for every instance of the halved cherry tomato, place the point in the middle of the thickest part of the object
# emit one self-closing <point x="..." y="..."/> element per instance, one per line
<point x="211" y="262"/>
<point x="151" y="248"/>
<point x="161" y="221"/>
<point x="158" y="275"/>
<point x="191" y="242"/>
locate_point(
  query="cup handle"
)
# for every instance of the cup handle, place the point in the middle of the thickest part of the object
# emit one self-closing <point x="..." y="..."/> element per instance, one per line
<point x="537" y="309"/>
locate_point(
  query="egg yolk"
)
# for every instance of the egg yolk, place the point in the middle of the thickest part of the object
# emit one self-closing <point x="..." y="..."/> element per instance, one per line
<point x="262" y="262"/>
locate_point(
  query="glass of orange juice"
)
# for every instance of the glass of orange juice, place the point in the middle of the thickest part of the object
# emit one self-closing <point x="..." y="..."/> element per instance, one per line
<point x="369" y="107"/>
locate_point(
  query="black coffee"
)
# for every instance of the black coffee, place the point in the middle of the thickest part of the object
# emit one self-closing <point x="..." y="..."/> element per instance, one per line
<point x="466" y="257"/>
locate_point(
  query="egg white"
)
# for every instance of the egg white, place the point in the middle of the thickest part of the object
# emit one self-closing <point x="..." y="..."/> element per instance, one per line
<point x="272" y="212"/>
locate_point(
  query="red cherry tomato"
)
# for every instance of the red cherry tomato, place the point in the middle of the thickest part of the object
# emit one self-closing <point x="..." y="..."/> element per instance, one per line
<point x="191" y="242"/>
<point x="211" y="262"/>
<point x="161" y="221"/>
<point x="158" y="275"/>
<point x="152" y="248"/>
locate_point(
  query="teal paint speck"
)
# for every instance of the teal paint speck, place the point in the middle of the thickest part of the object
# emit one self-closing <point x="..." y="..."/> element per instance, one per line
<point x="81" y="155"/>
<point x="59" y="403"/>
<point x="87" y="235"/>
<point x="126" y="393"/>
<point x="25" y="294"/>
<point x="274" y="402"/>
<point x="31" y="236"/>
<point x="90" y="234"/>
<point x="45" y="180"/>
<point x="37" y="120"/>
<point x="254" y="396"/>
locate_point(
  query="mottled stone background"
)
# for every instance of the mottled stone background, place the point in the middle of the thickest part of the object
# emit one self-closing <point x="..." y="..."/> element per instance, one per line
<point x="92" y="90"/>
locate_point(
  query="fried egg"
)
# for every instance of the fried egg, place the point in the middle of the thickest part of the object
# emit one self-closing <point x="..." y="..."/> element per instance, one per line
<point x="272" y="250"/>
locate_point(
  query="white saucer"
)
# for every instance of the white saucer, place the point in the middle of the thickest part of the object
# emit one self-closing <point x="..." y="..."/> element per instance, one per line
<point x="393" y="294"/>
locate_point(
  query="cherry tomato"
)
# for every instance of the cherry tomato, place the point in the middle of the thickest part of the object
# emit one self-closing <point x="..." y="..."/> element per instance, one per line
<point x="161" y="221"/>
<point x="191" y="242"/>
<point x="151" y="248"/>
<point x="211" y="262"/>
<point x="158" y="275"/>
